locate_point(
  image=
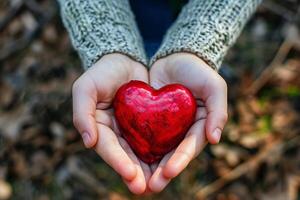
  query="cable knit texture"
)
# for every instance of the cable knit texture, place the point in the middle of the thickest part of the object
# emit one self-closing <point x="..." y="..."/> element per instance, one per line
<point x="207" y="28"/>
<point x="99" y="27"/>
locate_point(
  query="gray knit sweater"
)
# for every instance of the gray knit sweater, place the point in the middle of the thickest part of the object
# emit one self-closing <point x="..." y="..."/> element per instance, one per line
<point x="206" y="28"/>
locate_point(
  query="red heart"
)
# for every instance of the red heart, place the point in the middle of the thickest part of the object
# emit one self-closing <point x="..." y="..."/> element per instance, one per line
<point x="153" y="122"/>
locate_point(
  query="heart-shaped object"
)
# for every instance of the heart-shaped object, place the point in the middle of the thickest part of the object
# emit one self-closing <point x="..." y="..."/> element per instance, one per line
<point x="153" y="122"/>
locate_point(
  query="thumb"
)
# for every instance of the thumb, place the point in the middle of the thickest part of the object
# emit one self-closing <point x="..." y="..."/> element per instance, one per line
<point x="84" y="108"/>
<point x="216" y="104"/>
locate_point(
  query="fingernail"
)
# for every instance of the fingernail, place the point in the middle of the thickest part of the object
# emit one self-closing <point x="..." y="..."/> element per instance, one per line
<point x="216" y="134"/>
<point x="86" y="139"/>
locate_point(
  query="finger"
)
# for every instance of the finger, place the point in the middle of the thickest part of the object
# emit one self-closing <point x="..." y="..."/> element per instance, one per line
<point x="107" y="118"/>
<point x="138" y="184"/>
<point x="113" y="154"/>
<point x="201" y="113"/>
<point x="158" y="181"/>
<point x="216" y="104"/>
<point x="147" y="173"/>
<point x="188" y="149"/>
<point x="153" y="167"/>
<point x="104" y="117"/>
<point x="84" y="107"/>
<point x="144" y="174"/>
<point x="184" y="151"/>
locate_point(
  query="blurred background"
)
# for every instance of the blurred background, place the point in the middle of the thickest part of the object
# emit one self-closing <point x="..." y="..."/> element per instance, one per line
<point x="42" y="156"/>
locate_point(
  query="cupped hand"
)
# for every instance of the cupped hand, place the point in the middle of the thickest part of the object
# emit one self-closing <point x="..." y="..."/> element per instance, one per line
<point x="93" y="93"/>
<point x="210" y="91"/>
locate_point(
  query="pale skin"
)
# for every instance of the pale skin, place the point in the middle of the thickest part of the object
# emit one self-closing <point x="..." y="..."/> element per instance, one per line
<point x="93" y="93"/>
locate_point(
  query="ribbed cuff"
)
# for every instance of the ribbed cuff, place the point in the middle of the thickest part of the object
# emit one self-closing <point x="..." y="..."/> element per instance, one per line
<point x="207" y="29"/>
<point x="100" y="27"/>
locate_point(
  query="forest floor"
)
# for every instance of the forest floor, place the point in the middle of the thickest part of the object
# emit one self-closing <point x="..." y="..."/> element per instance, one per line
<point x="42" y="155"/>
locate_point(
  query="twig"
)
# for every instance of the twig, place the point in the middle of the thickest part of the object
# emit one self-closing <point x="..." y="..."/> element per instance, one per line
<point x="283" y="51"/>
<point x="267" y="73"/>
<point x="85" y="176"/>
<point x="276" y="145"/>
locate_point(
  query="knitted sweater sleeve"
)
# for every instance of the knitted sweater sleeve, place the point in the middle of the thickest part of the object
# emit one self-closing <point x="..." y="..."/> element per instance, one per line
<point x="99" y="27"/>
<point x="207" y="29"/>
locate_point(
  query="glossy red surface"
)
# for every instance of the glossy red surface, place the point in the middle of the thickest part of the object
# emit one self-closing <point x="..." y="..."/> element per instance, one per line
<point x="153" y="121"/>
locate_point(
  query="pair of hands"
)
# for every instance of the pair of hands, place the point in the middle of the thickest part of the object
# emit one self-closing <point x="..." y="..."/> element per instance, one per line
<point x="93" y="116"/>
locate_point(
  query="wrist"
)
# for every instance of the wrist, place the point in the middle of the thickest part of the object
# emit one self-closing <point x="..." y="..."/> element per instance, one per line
<point x="181" y="59"/>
